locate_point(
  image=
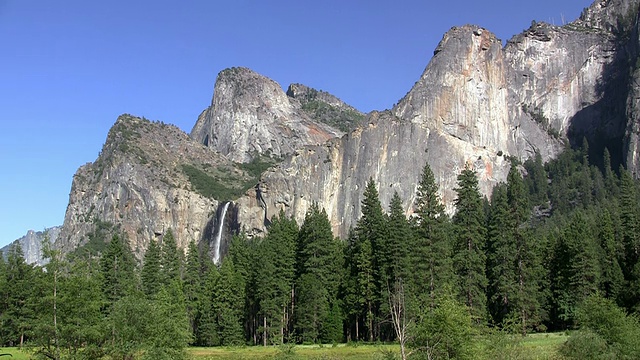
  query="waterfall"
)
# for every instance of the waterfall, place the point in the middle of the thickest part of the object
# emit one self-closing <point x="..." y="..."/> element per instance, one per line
<point x="216" y="246"/>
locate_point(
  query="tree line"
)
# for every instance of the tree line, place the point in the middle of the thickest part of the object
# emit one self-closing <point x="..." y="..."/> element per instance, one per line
<point x="550" y="239"/>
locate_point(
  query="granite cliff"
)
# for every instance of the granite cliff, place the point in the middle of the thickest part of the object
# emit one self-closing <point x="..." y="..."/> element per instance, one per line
<point x="477" y="103"/>
<point x="150" y="177"/>
<point x="32" y="242"/>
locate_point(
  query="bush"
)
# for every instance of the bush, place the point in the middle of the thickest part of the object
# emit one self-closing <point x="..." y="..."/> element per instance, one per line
<point x="606" y="332"/>
<point x="586" y="344"/>
<point x="445" y="332"/>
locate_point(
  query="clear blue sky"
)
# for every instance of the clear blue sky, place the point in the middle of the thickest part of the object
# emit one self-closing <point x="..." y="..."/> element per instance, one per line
<point x="69" y="68"/>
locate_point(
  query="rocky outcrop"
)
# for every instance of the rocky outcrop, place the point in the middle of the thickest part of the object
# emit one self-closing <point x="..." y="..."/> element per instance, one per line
<point x="325" y="108"/>
<point x="150" y="177"/>
<point x="251" y="115"/>
<point x="31" y="244"/>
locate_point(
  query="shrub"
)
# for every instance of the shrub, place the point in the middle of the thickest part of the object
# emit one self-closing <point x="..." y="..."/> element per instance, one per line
<point x="606" y="332"/>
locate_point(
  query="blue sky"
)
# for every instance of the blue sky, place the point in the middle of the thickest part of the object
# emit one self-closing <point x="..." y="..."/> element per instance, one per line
<point x="69" y="68"/>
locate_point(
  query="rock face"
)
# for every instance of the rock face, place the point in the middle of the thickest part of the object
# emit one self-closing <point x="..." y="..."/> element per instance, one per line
<point x="476" y="104"/>
<point x="31" y="244"/>
<point x="632" y="135"/>
<point x="250" y="114"/>
<point x="140" y="184"/>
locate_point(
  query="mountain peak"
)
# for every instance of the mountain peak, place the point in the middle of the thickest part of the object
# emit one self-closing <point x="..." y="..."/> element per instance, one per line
<point x="251" y="115"/>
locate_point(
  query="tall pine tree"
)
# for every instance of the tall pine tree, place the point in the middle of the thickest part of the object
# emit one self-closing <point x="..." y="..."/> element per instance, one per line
<point x="469" y="248"/>
<point x="431" y="253"/>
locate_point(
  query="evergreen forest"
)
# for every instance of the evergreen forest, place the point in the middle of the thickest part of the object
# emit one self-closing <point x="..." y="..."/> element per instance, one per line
<point x="555" y="248"/>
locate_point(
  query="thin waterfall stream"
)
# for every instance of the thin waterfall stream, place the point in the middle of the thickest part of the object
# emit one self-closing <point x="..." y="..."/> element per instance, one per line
<point x="216" y="251"/>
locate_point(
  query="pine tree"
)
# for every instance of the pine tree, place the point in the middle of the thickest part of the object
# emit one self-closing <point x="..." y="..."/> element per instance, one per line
<point x="399" y="240"/>
<point x="117" y="265"/>
<point x="578" y="273"/>
<point x="17" y="298"/>
<point x="228" y="304"/>
<point x="526" y="260"/>
<point x="610" y="179"/>
<point x="168" y="328"/>
<point x="243" y="253"/>
<point x="312" y="307"/>
<point x="365" y="287"/>
<point x="371" y="256"/>
<point x="612" y="277"/>
<point x="128" y="324"/>
<point x="431" y="253"/>
<point x="150" y="273"/>
<point x="274" y="280"/>
<point x="193" y="288"/>
<point x="208" y="329"/>
<point x="629" y="221"/>
<point x="171" y="259"/>
<point x="469" y="248"/>
<point x="80" y="320"/>
<point x="536" y="181"/>
<point x="318" y="269"/>
<point x="501" y="257"/>
<point x="46" y="326"/>
<point x="317" y="251"/>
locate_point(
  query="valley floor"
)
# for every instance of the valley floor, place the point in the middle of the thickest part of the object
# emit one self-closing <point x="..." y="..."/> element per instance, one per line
<point x="535" y="346"/>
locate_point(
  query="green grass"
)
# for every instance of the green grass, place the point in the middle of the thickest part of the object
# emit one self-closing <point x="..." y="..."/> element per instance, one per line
<point x="535" y="347"/>
<point x="16" y="353"/>
<point x="544" y="345"/>
<point x="325" y="352"/>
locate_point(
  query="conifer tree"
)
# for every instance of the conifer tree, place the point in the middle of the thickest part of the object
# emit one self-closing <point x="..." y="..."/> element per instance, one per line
<point x="578" y="273"/>
<point x="150" y="274"/>
<point x="274" y="280"/>
<point x="610" y="179"/>
<point x="242" y="252"/>
<point x="117" y="265"/>
<point x="81" y="325"/>
<point x="365" y="288"/>
<point x="18" y="311"/>
<point x="312" y="307"/>
<point x="399" y="240"/>
<point x="371" y="255"/>
<point x="526" y="261"/>
<point x="317" y="251"/>
<point x="228" y="304"/>
<point x="171" y="259"/>
<point x="168" y="328"/>
<point x="431" y="253"/>
<point x="629" y="221"/>
<point x="207" y="334"/>
<point x="536" y="180"/>
<point x="501" y="257"/>
<point x="193" y="288"/>
<point x="469" y="247"/>
<point x="612" y="276"/>
<point x="318" y="269"/>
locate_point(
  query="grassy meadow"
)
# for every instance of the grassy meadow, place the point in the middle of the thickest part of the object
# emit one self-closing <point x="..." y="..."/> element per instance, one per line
<point x="534" y="347"/>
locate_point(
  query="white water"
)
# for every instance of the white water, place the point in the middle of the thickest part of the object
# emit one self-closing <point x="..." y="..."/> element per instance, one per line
<point x="216" y="252"/>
